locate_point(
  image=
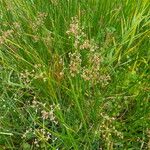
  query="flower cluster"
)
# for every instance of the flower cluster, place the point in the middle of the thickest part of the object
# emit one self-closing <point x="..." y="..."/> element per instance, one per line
<point x="42" y="134"/>
<point x="38" y="136"/>
<point x="26" y="76"/>
<point x="81" y="40"/>
<point x="44" y="117"/>
<point x="108" y="129"/>
<point x="76" y="32"/>
<point x="89" y="45"/>
<point x="37" y="73"/>
<point x="74" y="28"/>
<point x="5" y="35"/>
<point x="46" y="112"/>
<point x="49" y="115"/>
<point x="91" y="71"/>
<point x="39" y="21"/>
<point x="75" y="63"/>
<point x="105" y="79"/>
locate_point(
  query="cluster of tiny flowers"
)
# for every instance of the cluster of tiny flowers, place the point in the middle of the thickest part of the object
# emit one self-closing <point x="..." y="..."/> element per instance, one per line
<point x="39" y="134"/>
<point x="80" y="38"/>
<point x="95" y="60"/>
<point x="74" y="28"/>
<point x="89" y="45"/>
<point x="92" y="73"/>
<point x="26" y="76"/>
<point x="35" y="104"/>
<point x="49" y="115"/>
<point x="86" y="74"/>
<point x="62" y="68"/>
<point x="75" y="63"/>
<point x="42" y="76"/>
<point x="108" y="129"/>
<point x="105" y="79"/>
<point x="42" y="134"/>
<point x="48" y="39"/>
<point x="76" y="32"/>
<point x="39" y="22"/>
<point x="45" y="115"/>
<point x="86" y="44"/>
<point x="25" y="134"/>
<point x="5" y="35"/>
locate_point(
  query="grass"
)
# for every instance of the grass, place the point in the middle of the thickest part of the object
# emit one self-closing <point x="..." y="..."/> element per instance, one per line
<point x="75" y="74"/>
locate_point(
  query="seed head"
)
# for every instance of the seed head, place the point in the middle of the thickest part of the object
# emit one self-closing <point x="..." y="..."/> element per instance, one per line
<point x="75" y="63"/>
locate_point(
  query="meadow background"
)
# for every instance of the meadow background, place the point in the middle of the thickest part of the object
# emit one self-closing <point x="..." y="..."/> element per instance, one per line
<point x="74" y="74"/>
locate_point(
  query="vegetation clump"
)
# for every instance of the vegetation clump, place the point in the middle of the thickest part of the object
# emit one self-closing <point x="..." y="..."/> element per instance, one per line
<point x="74" y="75"/>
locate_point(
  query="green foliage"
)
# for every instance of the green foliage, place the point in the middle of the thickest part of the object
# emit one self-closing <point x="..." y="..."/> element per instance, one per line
<point x="74" y="74"/>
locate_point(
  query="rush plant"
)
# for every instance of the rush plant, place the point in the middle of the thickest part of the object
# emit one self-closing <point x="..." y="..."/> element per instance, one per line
<point x="74" y="74"/>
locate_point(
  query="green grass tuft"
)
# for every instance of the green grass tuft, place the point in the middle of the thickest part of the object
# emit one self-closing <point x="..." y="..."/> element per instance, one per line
<point x="75" y="74"/>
